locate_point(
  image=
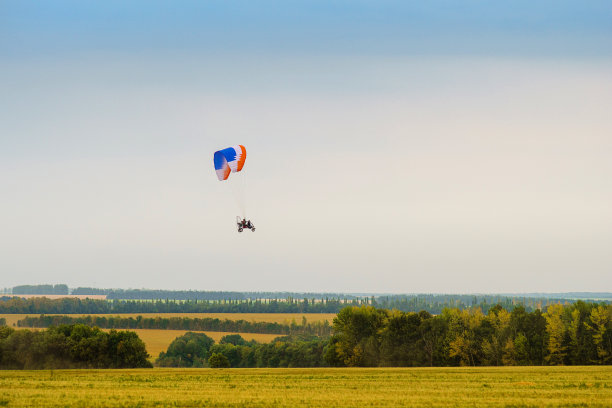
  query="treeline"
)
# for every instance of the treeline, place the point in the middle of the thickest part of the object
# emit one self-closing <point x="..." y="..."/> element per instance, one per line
<point x="575" y="334"/>
<point x="153" y="294"/>
<point x="434" y="304"/>
<point x="295" y="302"/>
<point x="74" y="346"/>
<point x="60" y="289"/>
<point x="322" y="329"/>
<point x="89" y="291"/>
<point x="437" y="303"/>
<point x="149" y="294"/>
<point x="96" y="306"/>
<point x="197" y="350"/>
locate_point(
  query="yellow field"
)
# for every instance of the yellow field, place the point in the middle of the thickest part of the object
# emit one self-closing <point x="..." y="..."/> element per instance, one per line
<point x="377" y="387"/>
<point x="11" y="319"/>
<point x="157" y="341"/>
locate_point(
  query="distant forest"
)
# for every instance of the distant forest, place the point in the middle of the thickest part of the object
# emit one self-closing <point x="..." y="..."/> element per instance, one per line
<point x="60" y="289"/>
<point x="264" y="302"/>
<point x="320" y="329"/>
<point x="434" y="304"/>
<point x="153" y="294"/>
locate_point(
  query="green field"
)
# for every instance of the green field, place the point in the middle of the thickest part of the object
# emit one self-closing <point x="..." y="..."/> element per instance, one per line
<point x="357" y="387"/>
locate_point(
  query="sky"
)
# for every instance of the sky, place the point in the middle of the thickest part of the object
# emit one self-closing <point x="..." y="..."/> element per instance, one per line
<point x="392" y="147"/>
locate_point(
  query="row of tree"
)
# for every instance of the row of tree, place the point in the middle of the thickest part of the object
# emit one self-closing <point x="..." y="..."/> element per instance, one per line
<point x="577" y="334"/>
<point x="432" y="303"/>
<point x="59" y="289"/>
<point x="152" y="294"/>
<point x="144" y="294"/>
<point x="73" y="346"/>
<point x="40" y="305"/>
<point x="322" y="329"/>
<point x="199" y="350"/>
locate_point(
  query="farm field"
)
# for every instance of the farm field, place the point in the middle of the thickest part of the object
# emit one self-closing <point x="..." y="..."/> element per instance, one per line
<point x="11" y="319"/>
<point x="157" y="341"/>
<point x="358" y="387"/>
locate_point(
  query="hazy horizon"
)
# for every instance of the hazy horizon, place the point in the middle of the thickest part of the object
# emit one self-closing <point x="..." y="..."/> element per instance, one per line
<point x="451" y="147"/>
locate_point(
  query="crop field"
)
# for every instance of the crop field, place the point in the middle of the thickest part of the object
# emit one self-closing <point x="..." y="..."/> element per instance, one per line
<point x="157" y="341"/>
<point x="358" y="387"/>
<point x="287" y="318"/>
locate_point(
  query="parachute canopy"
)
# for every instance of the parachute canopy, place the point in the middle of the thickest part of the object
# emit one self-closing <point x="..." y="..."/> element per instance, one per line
<point x="229" y="160"/>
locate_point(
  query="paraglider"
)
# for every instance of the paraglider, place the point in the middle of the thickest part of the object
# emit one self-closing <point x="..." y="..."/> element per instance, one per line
<point x="231" y="160"/>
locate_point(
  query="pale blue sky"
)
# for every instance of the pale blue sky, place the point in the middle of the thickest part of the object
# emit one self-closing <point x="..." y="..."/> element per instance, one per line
<point x="392" y="146"/>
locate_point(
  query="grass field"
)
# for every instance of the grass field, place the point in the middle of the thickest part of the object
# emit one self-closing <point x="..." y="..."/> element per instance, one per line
<point x="11" y="319"/>
<point x="377" y="387"/>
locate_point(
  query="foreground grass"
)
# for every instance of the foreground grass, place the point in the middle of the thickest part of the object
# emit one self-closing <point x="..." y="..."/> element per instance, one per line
<point x="379" y="387"/>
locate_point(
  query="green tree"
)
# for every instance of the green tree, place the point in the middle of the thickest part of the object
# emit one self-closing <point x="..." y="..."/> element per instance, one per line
<point x="499" y="343"/>
<point x="188" y="350"/>
<point x="231" y="352"/>
<point x="600" y="320"/>
<point x="465" y="343"/>
<point x="218" y="360"/>
<point x="433" y="331"/>
<point x="357" y="330"/>
<point x="401" y="342"/>
<point x="235" y="339"/>
<point x="556" y="333"/>
<point x="520" y="350"/>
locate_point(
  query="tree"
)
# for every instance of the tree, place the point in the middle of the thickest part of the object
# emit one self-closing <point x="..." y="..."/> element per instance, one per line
<point x="218" y="360"/>
<point x="231" y="352"/>
<point x="464" y="339"/>
<point x="188" y="350"/>
<point x="499" y="342"/>
<point x="357" y="330"/>
<point x="402" y="342"/>
<point x="520" y="350"/>
<point x="433" y="331"/>
<point x="73" y="346"/>
<point x="600" y="319"/>
<point x="235" y="339"/>
<point x="556" y="332"/>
